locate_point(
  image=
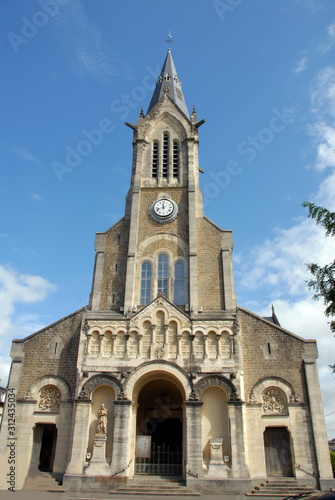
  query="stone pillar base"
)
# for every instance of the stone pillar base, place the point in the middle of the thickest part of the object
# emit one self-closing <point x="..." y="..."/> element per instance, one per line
<point x="218" y="470"/>
<point x="98" y="465"/>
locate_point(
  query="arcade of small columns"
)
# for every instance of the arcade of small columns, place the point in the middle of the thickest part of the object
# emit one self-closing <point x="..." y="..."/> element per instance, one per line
<point x="160" y="340"/>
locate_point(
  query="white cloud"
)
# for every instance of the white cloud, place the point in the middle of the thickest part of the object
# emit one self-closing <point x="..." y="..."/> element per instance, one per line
<point x="36" y="197"/>
<point x="275" y="270"/>
<point x="26" y="155"/>
<point x="85" y="48"/>
<point x="330" y="41"/>
<point x="16" y="288"/>
<point x="323" y="93"/>
<point x="301" y="65"/>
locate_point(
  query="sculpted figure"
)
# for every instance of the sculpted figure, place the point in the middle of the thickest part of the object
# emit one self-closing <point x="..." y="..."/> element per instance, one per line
<point x="102" y="420"/>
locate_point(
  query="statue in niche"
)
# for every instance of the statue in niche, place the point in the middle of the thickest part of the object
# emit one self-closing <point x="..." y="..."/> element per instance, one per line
<point x="102" y="420"/>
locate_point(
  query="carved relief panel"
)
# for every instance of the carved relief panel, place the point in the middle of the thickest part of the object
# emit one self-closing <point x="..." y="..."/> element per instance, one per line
<point x="146" y="340"/>
<point x="107" y="344"/>
<point x="198" y="346"/>
<point x="49" y="398"/>
<point x="212" y="351"/>
<point x="132" y="348"/>
<point x="274" y="402"/>
<point x="224" y="346"/>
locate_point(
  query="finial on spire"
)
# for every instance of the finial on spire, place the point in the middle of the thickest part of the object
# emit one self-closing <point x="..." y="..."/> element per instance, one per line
<point x="170" y="38"/>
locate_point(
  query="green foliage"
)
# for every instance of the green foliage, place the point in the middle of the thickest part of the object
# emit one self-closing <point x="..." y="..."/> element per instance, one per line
<point x="324" y="277"/>
<point x="332" y="459"/>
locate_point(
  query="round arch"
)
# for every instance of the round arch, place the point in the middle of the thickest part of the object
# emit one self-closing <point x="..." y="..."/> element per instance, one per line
<point x="154" y="370"/>
<point x="86" y="390"/>
<point x="216" y="381"/>
<point x="267" y="382"/>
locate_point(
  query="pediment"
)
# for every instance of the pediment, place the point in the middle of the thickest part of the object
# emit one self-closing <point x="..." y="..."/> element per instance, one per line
<point x="160" y="303"/>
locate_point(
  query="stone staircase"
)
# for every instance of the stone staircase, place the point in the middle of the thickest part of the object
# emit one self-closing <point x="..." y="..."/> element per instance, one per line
<point x="155" y="485"/>
<point x="283" y="488"/>
<point x="42" y="481"/>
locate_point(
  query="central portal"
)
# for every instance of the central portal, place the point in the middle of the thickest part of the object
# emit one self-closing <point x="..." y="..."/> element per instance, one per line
<point x="159" y="429"/>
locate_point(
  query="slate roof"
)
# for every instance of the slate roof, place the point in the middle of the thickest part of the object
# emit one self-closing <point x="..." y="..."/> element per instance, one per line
<point x="168" y="81"/>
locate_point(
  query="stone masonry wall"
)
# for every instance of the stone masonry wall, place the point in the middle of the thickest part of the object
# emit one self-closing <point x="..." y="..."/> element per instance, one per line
<point x="210" y="282"/>
<point x="284" y="359"/>
<point x="115" y="265"/>
<point x="39" y="359"/>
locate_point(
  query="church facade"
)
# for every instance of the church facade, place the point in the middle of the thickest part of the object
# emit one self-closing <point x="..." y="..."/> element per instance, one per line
<point x="162" y="373"/>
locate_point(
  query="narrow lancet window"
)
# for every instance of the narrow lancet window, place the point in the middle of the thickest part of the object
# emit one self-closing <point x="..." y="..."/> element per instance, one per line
<point x="163" y="274"/>
<point x="146" y="277"/>
<point x="179" y="283"/>
<point x="165" y="160"/>
<point x="154" y="159"/>
<point x="175" y="165"/>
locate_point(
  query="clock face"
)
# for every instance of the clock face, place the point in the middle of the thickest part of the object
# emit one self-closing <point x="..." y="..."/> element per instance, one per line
<point x="163" y="208"/>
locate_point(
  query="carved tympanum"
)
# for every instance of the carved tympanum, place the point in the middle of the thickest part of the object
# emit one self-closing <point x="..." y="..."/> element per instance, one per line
<point x="49" y="398"/>
<point x="274" y="401"/>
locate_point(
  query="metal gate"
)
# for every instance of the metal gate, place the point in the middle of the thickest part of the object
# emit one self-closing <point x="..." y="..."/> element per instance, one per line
<point x="161" y="461"/>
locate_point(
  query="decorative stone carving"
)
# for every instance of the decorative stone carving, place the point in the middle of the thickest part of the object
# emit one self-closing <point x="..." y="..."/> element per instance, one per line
<point x="274" y="402"/>
<point x="132" y="348"/>
<point x="224" y="346"/>
<point x="94" y="344"/>
<point x="28" y="395"/>
<point x="185" y="345"/>
<point x="122" y="396"/>
<point x="159" y="353"/>
<point x="102" y="421"/>
<point x="252" y="398"/>
<point x="107" y="344"/>
<point x="193" y="396"/>
<point x="234" y="396"/>
<point x="49" y="398"/>
<point x="172" y="340"/>
<point x="146" y="340"/>
<point x="198" y="346"/>
<point x="83" y="395"/>
<point x="294" y="398"/>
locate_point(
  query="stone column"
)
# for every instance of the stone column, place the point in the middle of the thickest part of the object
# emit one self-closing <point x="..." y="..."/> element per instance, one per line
<point x="121" y="440"/>
<point x="193" y="438"/>
<point x="238" y="465"/>
<point x="79" y="437"/>
<point x="318" y="425"/>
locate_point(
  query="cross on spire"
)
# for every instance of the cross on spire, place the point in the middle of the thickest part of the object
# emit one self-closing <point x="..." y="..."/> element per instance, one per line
<point x="170" y="39"/>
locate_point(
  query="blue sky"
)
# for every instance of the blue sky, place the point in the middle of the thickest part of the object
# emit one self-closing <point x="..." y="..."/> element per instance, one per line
<point x="260" y="73"/>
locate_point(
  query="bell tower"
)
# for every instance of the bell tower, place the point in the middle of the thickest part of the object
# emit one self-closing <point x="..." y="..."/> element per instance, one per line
<point x="164" y="232"/>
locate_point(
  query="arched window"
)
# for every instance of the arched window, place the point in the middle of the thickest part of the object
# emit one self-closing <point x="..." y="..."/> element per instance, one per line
<point x="155" y="159"/>
<point x="163" y="274"/>
<point x="146" y="277"/>
<point x="165" y="160"/>
<point x="175" y="160"/>
<point x="179" y="283"/>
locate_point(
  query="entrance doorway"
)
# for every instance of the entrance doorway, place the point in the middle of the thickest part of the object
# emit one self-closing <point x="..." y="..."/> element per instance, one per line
<point x="160" y="426"/>
<point x="278" y="455"/>
<point x="45" y="438"/>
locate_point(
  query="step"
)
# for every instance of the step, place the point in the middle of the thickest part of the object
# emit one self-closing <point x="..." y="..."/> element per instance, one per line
<point x="280" y="488"/>
<point x="42" y="482"/>
<point x="154" y="491"/>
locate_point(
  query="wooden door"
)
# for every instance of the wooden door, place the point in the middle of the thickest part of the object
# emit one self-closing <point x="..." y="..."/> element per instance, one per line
<point x="278" y="452"/>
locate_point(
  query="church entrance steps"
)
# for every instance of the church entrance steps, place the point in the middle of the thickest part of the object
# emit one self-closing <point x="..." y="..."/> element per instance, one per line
<point x="42" y="481"/>
<point x="283" y="488"/>
<point x="155" y="485"/>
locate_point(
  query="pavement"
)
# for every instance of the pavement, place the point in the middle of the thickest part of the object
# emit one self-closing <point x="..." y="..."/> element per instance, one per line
<point x="72" y="495"/>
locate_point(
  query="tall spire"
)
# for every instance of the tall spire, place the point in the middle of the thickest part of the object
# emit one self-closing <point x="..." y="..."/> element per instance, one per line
<point x="168" y="82"/>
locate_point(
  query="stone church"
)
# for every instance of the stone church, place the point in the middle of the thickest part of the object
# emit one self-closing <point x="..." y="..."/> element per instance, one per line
<point x="162" y="373"/>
